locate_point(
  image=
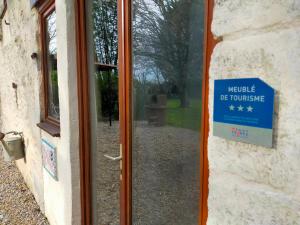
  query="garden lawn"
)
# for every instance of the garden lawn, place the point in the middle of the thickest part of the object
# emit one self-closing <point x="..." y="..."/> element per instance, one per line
<point x="189" y="117"/>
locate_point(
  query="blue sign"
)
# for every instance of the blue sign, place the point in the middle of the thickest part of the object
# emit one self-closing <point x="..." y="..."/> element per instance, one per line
<point x="49" y="158"/>
<point x="243" y="110"/>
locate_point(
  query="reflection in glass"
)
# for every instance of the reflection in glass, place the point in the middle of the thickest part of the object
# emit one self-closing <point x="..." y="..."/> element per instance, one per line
<point x="106" y="172"/>
<point x="103" y="58"/>
<point x="105" y="31"/>
<point x="107" y="95"/>
<point x="53" y="98"/>
<point x="167" y="66"/>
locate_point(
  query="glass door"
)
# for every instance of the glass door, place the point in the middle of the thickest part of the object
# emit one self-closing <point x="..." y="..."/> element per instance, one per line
<point x="141" y="153"/>
<point x="102" y="41"/>
<point x="167" y="64"/>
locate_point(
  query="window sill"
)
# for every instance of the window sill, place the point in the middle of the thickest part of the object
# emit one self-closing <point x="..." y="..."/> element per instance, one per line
<point x="50" y="128"/>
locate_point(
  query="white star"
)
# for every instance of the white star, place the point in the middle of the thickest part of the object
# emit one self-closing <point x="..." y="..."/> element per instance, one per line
<point x="240" y="108"/>
<point x="250" y="109"/>
<point x="231" y="108"/>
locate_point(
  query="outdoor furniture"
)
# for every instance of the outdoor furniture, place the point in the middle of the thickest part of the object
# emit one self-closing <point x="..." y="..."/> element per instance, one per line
<point x="156" y="110"/>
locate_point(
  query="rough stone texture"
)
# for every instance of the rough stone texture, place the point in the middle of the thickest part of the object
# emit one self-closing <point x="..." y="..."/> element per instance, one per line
<point x="236" y="15"/>
<point x="249" y="184"/>
<point x="20" y="109"/>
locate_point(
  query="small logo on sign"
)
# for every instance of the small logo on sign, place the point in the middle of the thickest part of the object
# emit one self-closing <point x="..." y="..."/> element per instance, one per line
<point x="240" y="133"/>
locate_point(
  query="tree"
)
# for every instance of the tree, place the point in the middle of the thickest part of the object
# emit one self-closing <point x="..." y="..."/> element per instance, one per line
<point x="105" y="31"/>
<point x="106" y="52"/>
<point x="168" y="33"/>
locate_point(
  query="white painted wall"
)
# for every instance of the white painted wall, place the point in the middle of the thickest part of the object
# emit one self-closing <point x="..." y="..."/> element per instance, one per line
<point x="21" y="110"/>
<point x="249" y="184"/>
<point x="62" y="198"/>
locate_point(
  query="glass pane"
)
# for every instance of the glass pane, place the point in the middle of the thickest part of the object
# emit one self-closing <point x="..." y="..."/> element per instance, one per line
<point x="106" y="172"/>
<point x="103" y="56"/>
<point x="105" y="31"/>
<point x="167" y="80"/>
<point x="53" y="99"/>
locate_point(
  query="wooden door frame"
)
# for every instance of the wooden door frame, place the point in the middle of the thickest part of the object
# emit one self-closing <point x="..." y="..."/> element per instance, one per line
<point x="209" y="45"/>
<point x="124" y="41"/>
<point x="84" y="114"/>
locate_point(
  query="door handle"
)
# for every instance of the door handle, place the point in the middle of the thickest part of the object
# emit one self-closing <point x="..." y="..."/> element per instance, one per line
<point x="118" y="158"/>
<point x="113" y="158"/>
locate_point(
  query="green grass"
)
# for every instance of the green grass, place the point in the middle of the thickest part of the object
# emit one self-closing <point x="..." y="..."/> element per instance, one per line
<point x="189" y="117"/>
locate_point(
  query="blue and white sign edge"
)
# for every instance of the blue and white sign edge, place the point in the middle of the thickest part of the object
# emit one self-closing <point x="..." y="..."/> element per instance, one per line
<point x="53" y="148"/>
<point x="262" y="137"/>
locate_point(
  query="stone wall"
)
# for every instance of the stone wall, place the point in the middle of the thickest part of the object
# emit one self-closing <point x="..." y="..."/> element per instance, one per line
<point x="249" y="184"/>
<point x="20" y="108"/>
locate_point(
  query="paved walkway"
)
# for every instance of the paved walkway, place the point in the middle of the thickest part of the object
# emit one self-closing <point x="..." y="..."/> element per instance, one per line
<point x="17" y="204"/>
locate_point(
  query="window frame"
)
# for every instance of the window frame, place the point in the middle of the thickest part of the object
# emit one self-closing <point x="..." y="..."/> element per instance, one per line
<point x="49" y="124"/>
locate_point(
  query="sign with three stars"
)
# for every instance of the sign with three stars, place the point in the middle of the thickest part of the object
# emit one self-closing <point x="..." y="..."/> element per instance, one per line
<point x="243" y="111"/>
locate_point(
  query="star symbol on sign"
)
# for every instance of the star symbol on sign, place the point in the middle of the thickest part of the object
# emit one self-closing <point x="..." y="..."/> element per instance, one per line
<point x="250" y="109"/>
<point x="231" y="108"/>
<point x="240" y="108"/>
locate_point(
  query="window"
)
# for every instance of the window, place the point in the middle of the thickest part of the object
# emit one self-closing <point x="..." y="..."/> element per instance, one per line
<point x="51" y="121"/>
<point x="51" y="51"/>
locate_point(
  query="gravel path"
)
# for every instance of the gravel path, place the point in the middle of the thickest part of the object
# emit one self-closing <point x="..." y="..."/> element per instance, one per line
<point x="166" y="175"/>
<point x="106" y="175"/>
<point x="17" y="204"/>
<point x="166" y="181"/>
